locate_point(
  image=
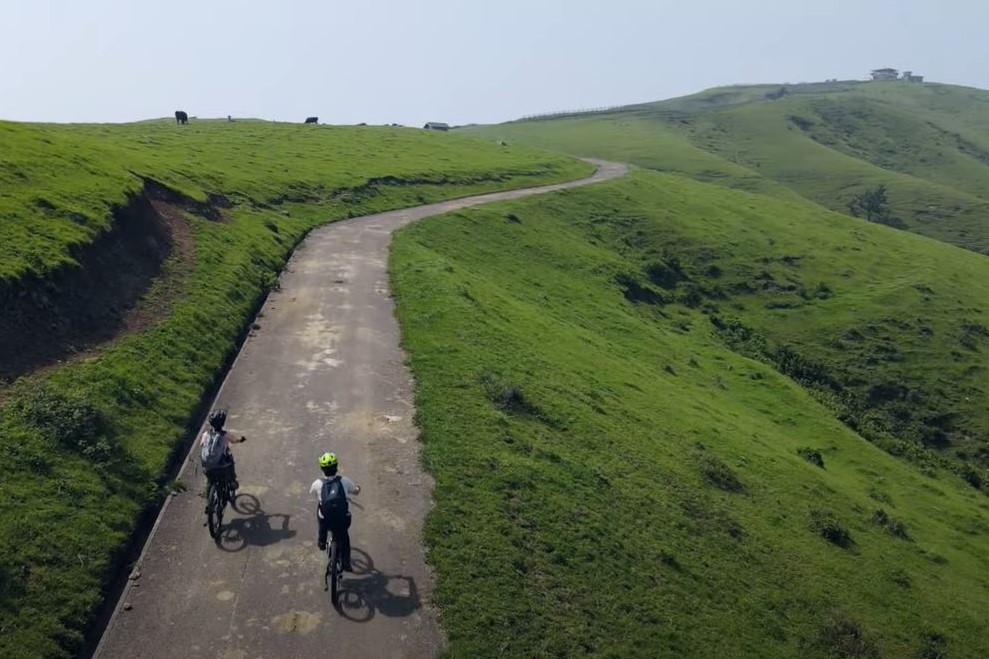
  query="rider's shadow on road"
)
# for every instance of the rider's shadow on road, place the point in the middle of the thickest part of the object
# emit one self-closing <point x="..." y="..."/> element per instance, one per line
<point x="259" y="529"/>
<point x="367" y="591"/>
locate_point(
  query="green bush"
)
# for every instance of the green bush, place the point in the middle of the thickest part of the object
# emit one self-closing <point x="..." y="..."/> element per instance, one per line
<point x="829" y="528"/>
<point x="720" y="475"/>
<point x="893" y="526"/>
<point x="844" y="638"/>
<point x="811" y="455"/>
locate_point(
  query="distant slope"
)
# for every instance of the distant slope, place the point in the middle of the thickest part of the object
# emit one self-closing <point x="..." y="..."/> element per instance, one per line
<point x="928" y="143"/>
<point x="623" y="469"/>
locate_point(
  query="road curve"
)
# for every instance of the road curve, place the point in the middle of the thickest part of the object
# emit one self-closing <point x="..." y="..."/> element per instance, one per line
<point x="323" y="372"/>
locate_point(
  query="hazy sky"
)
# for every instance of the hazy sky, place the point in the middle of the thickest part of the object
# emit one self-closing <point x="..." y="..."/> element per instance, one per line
<point x="451" y="60"/>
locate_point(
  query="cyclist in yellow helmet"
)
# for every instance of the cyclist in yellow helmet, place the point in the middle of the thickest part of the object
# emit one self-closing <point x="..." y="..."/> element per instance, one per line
<point x="333" y="510"/>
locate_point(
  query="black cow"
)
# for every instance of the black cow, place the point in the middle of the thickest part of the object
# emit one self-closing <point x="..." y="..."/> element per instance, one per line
<point x="181" y="117"/>
<point x="312" y="120"/>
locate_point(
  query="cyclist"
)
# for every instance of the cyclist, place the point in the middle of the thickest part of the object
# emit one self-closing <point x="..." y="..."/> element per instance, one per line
<point x="215" y="453"/>
<point x="333" y="511"/>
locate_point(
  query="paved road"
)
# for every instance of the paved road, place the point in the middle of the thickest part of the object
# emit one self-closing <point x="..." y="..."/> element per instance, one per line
<point x="323" y="372"/>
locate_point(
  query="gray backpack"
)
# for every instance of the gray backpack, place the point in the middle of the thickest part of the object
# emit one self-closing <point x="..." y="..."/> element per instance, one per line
<point x="213" y="451"/>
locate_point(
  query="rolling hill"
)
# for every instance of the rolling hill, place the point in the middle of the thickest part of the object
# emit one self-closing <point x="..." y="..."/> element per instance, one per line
<point x="647" y="404"/>
<point x="132" y="260"/>
<point x="705" y="411"/>
<point x="927" y="143"/>
<point x="921" y="388"/>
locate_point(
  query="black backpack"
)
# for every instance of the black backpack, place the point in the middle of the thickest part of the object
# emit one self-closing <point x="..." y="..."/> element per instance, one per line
<point x="333" y="499"/>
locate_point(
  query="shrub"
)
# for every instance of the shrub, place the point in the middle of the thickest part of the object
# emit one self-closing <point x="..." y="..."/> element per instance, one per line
<point x="934" y="646"/>
<point x="880" y="496"/>
<point x="720" y="475"/>
<point x="666" y="274"/>
<point x="972" y="476"/>
<point x="873" y="205"/>
<point x="811" y="455"/>
<point x="893" y="526"/>
<point x="635" y="291"/>
<point x="507" y="395"/>
<point x="900" y="578"/>
<point x="823" y="291"/>
<point x="843" y="637"/>
<point x="691" y="296"/>
<point x="666" y="558"/>
<point x="829" y="528"/>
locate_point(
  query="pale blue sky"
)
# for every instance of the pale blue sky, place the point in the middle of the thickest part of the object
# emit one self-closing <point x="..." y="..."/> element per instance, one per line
<point x="448" y="60"/>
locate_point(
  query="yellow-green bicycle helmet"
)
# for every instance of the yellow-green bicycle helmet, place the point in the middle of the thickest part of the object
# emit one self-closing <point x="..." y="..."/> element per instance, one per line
<point x="327" y="460"/>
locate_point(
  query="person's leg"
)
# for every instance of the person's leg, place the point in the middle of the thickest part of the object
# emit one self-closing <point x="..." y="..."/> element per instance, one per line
<point x="344" y="540"/>
<point x="323" y="528"/>
<point x="208" y="481"/>
<point x="233" y="471"/>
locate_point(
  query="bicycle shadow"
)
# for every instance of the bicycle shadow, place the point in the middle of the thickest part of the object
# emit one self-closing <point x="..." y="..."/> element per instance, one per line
<point x="366" y="591"/>
<point x="256" y="530"/>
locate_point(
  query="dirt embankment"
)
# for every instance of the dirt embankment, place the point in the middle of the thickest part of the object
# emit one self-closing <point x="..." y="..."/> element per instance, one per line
<point x="46" y="321"/>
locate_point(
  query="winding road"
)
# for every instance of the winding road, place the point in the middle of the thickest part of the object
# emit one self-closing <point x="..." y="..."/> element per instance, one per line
<point x="323" y="372"/>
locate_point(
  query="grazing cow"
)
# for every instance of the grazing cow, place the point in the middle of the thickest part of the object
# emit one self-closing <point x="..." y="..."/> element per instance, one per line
<point x="181" y="117"/>
<point x="312" y="120"/>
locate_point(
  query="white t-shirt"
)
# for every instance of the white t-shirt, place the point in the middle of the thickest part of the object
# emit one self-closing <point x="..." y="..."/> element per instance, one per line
<point x="317" y="488"/>
<point x="224" y="437"/>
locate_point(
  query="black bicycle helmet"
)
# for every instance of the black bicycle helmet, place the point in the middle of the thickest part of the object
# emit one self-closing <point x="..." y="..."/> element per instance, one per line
<point x="218" y="418"/>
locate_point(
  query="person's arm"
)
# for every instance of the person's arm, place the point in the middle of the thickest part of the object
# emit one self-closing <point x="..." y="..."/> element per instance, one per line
<point x="231" y="437"/>
<point x="351" y="486"/>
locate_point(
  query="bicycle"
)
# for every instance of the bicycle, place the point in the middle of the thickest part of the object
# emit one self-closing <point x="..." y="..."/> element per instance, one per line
<point x="334" y="569"/>
<point x="219" y="492"/>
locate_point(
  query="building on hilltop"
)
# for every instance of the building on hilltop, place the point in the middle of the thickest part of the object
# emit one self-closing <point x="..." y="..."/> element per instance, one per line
<point x="436" y="125"/>
<point x="893" y="74"/>
<point x="885" y="74"/>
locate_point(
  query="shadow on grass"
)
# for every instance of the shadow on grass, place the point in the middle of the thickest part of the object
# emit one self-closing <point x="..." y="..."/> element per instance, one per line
<point x="366" y="591"/>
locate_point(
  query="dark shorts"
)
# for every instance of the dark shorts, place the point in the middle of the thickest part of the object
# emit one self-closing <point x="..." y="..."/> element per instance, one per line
<point x="223" y="472"/>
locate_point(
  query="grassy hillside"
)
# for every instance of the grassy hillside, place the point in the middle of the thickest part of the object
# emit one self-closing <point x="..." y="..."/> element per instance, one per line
<point x="59" y="183"/>
<point x="929" y="144"/>
<point x="84" y="445"/>
<point x="624" y="468"/>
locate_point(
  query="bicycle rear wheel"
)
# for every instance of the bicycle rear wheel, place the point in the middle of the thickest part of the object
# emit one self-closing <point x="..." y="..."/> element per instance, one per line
<point x="214" y="509"/>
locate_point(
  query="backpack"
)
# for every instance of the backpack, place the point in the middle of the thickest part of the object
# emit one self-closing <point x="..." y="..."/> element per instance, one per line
<point x="213" y="451"/>
<point x="333" y="499"/>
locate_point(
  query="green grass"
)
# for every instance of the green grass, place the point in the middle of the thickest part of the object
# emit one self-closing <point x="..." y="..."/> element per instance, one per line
<point x="58" y="183"/>
<point x="642" y="141"/>
<point x="929" y="144"/>
<point x="84" y="446"/>
<point x="618" y="477"/>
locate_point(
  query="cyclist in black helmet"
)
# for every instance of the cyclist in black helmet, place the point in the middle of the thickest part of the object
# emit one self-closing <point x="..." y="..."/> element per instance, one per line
<point x="221" y="439"/>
